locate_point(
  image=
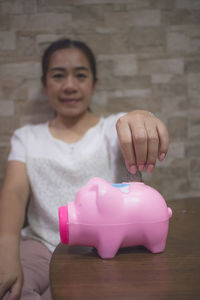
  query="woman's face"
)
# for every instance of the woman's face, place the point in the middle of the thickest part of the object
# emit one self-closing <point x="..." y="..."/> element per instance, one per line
<point x="69" y="82"/>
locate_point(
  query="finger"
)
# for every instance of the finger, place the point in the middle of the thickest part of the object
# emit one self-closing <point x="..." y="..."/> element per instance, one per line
<point x="125" y="139"/>
<point x="15" y="291"/>
<point x="4" y="288"/>
<point x="139" y="136"/>
<point x="163" y="140"/>
<point x="153" y="144"/>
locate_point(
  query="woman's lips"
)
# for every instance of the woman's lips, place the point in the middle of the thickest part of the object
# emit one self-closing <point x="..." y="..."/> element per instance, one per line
<point x="69" y="100"/>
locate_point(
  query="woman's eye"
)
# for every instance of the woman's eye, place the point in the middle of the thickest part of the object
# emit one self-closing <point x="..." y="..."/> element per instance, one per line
<point x="81" y="75"/>
<point x="58" y="76"/>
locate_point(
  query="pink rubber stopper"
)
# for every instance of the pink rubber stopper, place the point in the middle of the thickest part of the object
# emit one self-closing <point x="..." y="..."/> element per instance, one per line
<point x="63" y="224"/>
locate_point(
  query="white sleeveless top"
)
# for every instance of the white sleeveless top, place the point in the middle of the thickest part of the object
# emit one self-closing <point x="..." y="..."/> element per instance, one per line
<point x="57" y="170"/>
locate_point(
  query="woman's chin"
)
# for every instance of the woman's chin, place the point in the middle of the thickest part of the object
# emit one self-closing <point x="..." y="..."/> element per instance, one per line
<point x="72" y="113"/>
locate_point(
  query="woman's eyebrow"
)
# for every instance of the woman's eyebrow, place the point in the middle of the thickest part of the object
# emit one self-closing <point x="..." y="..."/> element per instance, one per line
<point x="82" y="68"/>
<point x="57" y="69"/>
<point x="79" y="68"/>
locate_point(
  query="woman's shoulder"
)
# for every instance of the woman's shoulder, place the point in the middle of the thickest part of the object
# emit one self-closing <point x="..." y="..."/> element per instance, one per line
<point x="31" y="128"/>
<point x="30" y="133"/>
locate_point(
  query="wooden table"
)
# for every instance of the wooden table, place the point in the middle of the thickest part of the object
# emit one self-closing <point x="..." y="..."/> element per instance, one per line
<point x="135" y="273"/>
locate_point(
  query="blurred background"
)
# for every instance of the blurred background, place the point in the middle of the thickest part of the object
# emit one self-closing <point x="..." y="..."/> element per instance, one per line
<point x="148" y="55"/>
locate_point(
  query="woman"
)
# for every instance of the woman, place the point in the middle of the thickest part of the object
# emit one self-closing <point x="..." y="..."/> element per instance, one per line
<point x="52" y="160"/>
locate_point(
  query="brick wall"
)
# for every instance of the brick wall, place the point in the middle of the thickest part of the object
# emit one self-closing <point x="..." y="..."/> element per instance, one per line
<point x="148" y="54"/>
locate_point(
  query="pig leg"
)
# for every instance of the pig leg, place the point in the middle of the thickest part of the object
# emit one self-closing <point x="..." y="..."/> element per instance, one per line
<point x="156" y="248"/>
<point x="155" y="236"/>
<point x="108" y="244"/>
<point x="107" y="252"/>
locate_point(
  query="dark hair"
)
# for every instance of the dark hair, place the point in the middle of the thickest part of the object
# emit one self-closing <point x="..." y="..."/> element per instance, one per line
<point x="63" y="44"/>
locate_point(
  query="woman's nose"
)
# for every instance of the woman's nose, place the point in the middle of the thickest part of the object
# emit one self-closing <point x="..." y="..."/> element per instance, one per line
<point x="69" y="84"/>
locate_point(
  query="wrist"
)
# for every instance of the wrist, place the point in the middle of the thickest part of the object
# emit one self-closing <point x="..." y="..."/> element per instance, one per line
<point x="9" y="242"/>
<point x="143" y="112"/>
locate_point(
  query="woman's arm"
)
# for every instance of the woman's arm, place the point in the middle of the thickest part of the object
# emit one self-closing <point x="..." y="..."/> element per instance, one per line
<point x="13" y="200"/>
<point x="143" y="139"/>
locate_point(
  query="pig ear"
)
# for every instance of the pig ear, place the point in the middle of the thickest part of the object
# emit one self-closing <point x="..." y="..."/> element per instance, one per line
<point x="108" y="198"/>
<point x="99" y="185"/>
<point x="91" y="185"/>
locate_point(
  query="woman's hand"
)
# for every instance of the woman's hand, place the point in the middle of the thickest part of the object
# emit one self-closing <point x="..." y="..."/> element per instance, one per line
<point x="11" y="275"/>
<point x="143" y="139"/>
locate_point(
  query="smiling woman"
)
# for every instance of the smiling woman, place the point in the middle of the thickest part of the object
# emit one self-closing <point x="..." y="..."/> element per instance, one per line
<point x="67" y="44"/>
<point x="51" y="161"/>
<point x="69" y="83"/>
<point x="69" y="80"/>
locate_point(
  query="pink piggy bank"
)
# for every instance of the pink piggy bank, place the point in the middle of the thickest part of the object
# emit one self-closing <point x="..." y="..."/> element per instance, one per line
<point x="109" y="216"/>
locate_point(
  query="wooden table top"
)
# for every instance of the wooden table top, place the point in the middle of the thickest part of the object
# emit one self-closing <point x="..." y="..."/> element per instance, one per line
<point x="135" y="273"/>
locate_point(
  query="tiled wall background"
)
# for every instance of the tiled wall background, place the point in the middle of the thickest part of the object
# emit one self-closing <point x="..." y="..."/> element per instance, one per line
<point x="148" y="54"/>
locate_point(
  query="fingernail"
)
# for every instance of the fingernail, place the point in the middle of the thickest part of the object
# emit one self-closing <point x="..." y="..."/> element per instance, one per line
<point x="141" y="167"/>
<point x="150" y="168"/>
<point x="133" y="169"/>
<point x="161" y="156"/>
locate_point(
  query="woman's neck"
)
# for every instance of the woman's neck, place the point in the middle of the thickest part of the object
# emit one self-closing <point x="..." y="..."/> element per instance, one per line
<point x="81" y="121"/>
<point x="72" y="129"/>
